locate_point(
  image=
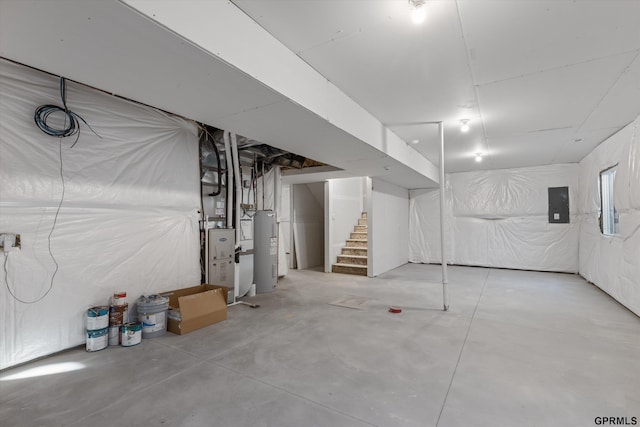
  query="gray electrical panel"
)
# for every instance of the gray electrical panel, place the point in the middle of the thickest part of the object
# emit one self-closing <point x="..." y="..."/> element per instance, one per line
<point x="265" y="251"/>
<point x="221" y="257"/>
<point x="559" y="205"/>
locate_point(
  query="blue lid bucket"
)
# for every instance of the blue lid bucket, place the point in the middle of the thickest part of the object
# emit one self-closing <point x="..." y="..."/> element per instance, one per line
<point x="131" y="334"/>
<point x="97" y="340"/>
<point x="97" y="318"/>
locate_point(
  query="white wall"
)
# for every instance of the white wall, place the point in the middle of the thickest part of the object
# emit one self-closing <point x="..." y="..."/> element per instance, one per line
<point x="613" y="262"/>
<point x="345" y="198"/>
<point x="388" y="227"/>
<point x="285" y="235"/>
<point x="308" y="224"/>
<point x="499" y="218"/>
<point x="129" y="220"/>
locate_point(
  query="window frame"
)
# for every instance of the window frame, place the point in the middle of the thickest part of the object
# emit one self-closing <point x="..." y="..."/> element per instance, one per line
<point x="614" y="229"/>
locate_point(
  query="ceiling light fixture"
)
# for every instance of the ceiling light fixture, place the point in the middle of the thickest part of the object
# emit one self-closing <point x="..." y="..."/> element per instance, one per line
<point x="478" y="157"/>
<point x="465" y="125"/>
<point x="415" y="141"/>
<point x="418" y="11"/>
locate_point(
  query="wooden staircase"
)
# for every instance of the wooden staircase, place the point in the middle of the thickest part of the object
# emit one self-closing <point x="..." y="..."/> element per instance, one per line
<point x="353" y="259"/>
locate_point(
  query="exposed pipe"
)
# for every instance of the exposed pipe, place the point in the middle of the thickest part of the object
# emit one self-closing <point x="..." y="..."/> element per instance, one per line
<point x="227" y="165"/>
<point x="206" y="249"/>
<point x="238" y="186"/>
<point x="445" y="279"/>
<point x="277" y="207"/>
<point x="215" y="149"/>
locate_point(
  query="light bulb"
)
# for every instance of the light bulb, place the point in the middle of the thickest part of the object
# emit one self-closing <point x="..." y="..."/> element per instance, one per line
<point x="418" y="14"/>
<point x="478" y="157"/>
<point x="465" y="125"/>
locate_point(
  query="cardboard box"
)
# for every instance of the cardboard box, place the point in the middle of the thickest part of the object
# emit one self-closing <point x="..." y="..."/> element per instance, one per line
<point x="199" y="306"/>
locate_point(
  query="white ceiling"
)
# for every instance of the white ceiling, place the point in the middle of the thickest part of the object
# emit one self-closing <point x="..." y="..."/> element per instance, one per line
<point x="533" y="76"/>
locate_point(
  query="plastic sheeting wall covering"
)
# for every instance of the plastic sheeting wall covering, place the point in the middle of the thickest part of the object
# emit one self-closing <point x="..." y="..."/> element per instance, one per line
<point x="498" y="218"/>
<point x="613" y="262"/>
<point x="129" y="220"/>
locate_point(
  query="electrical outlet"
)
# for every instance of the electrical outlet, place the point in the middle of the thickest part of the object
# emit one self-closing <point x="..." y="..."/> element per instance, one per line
<point x="10" y="241"/>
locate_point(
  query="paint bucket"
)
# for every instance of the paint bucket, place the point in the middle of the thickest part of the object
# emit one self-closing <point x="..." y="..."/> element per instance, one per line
<point x="114" y="335"/>
<point x="131" y="334"/>
<point x="97" y="318"/>
<point x="252" y="290"/>
<point x="119" y="298"/>
<point x="98" y="339"/>
<point x="118" y="315"/>
<point x="152" y="313"/>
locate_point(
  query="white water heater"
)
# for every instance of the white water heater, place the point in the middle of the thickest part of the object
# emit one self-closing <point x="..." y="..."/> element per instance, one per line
<point x="265" y="251"/>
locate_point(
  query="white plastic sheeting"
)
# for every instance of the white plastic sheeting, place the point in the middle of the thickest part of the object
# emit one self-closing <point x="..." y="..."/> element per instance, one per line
<point x="498" y="218"/>
<point x="613" y="262"/>
<point x="129" y="220"/>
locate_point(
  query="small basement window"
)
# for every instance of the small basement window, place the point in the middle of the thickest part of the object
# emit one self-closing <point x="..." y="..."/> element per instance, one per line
<point x="609" y="218"/>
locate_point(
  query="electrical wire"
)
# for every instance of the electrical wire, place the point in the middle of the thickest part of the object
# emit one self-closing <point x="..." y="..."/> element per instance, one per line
<point x="209" y="138"/>
<point x="53" y="258"/>
<point x="71" y="126"/>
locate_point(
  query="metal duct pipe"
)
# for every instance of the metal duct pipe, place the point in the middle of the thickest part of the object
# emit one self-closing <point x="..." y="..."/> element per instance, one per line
<point x="228" y="163"/>
<point x="238" y="194"/>
<point x="238" y="186"/>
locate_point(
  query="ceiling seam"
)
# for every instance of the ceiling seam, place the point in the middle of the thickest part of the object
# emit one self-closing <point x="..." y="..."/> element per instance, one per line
<point x="257" y="107"/>
<point x="615" y="82"/>
<point x="360" y="30"/>
<point x="473" y="80"/>
<point x="559" y="67"/>
<point x="595" y="108"/>
<point x="328" y="80"/>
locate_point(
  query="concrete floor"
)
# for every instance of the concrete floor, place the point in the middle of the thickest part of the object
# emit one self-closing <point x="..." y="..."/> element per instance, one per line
<point x="518" y="348"/>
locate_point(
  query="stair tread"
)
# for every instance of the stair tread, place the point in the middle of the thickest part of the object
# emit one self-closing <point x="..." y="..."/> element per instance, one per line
<point x="356" y="240"/>
<point x="341" y="264"/>
<point x="353" y="256"/>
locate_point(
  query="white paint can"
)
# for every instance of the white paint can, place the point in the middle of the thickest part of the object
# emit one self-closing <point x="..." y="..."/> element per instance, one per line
<point x="97" y="340"/>
<point x="119" y="298"/>
<point x="114" y="335"/>
<point x="131" y="334"/>
<point x="152" y="313"/>
<point x="97" y="318"/>
<point x="252" y="290"/>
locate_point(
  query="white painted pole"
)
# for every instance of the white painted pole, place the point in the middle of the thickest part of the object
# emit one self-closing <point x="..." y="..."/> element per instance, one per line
<point x="445" y="279"/>
<point x="206" y="247"/>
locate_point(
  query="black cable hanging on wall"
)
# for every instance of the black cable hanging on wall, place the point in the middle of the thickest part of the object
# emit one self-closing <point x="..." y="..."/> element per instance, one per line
<point x="72" y="126"/>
